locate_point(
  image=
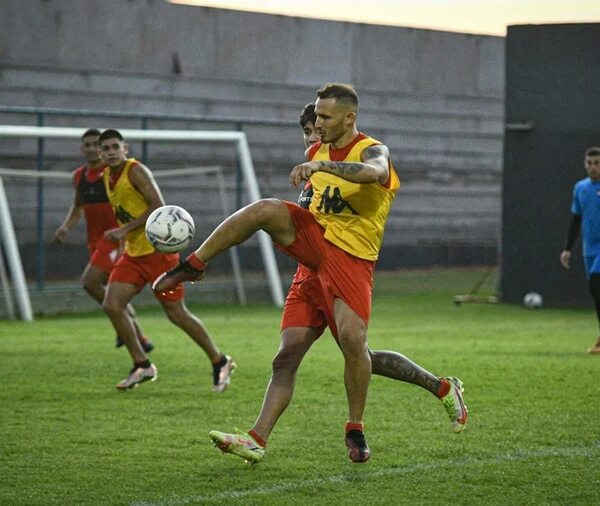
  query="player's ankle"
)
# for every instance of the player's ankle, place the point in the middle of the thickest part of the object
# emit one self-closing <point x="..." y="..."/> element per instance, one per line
<point x="443" y="389"/>
<point x="262" y="442"/>
<point x="195" y="262"/>
<point x="354" y="426"/>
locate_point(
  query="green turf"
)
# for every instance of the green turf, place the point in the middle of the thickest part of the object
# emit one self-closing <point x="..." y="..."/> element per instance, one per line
<point x="68" y="437"/>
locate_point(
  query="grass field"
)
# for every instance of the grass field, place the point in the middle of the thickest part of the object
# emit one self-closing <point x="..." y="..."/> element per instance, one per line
<point x="68" y="437"/>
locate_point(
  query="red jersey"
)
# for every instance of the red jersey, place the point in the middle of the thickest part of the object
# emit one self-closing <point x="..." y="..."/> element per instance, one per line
<point x="98" y="212"/>
<point x="336" y="155"/>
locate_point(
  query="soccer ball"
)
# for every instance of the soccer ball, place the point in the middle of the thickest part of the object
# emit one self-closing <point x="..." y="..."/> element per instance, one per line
<point x="170" y="229"/>
<point x="533" y="300"/>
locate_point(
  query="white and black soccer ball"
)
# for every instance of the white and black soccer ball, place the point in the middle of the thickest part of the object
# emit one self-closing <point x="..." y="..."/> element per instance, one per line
<point x="170" y="229"/>
<point x="533" y="300"/>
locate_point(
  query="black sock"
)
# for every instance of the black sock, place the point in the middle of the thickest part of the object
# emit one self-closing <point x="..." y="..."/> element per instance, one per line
<point x="144" y="365"/>
<point x="220" y="363"/>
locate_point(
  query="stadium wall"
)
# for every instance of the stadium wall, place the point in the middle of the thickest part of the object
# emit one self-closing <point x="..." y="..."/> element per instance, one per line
<point x="435" y="98"/>
<point x="554" y="97"/>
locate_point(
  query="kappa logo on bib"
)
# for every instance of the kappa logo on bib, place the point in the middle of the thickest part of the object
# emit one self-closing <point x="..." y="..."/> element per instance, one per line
<point x="334" y="202"/>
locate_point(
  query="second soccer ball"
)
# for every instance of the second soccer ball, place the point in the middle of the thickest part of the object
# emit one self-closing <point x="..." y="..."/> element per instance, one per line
<point x="533" y="300"/>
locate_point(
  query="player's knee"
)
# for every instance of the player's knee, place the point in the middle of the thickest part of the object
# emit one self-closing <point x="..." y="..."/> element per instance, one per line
<point x="352" y="339"/>
<point x="265" y="210"/>
<point x="287" y="359"/>
<point x="176" y="314"/>
<point x="90" y="285"/>
<point x="112" y="307"/>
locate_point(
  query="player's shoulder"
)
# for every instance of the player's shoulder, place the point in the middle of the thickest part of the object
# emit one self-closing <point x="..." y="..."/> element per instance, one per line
<point x="76" y="175"/>
<point x="312" y="150"/>
<point x="137" y="165"/>
<point x="368" y="141"/>
<point x="583" y="183"/>
<point x="137" y="168"/>
<point x="78" y="171"/>
<point x="372" y="148"/>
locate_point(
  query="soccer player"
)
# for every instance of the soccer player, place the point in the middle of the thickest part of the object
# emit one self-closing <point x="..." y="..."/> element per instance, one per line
<point x="353" y="184"/>
<point x="303" y="299"/>
<point x="586" y="211"/>
<point x="134" y="194"/>
<point x="89" y="197"/>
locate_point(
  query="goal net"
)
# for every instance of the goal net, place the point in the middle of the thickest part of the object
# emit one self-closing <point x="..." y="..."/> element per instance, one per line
<point x="35" y="202"/>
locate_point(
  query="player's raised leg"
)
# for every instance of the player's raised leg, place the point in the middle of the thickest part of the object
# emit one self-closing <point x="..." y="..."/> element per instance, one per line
<point x="270" y="215"/>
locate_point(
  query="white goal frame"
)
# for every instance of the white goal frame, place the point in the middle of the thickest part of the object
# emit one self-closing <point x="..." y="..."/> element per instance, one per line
<point x="243" y="152"/>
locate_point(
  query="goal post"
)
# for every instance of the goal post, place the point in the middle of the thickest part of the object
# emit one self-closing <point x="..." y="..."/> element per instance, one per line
<point x="233" y="137"/>
<point x="8" y="241"/>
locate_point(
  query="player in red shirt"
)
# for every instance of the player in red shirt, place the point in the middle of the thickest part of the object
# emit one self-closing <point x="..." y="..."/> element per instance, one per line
<point x="89" y="198"/>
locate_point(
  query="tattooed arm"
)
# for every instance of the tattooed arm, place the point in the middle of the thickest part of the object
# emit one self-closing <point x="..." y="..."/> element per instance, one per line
<point x="374" y="167"/>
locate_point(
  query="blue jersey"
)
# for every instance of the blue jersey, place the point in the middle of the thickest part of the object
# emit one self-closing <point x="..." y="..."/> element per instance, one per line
<point x="586" y="203"/>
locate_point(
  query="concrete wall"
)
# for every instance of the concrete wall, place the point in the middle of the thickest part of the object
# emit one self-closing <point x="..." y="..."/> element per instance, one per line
<point x="142" y="36"/>
<point x="435" y="98"/>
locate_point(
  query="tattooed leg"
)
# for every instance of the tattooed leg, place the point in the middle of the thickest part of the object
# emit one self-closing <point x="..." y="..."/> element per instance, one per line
<point x="396" y="366"/>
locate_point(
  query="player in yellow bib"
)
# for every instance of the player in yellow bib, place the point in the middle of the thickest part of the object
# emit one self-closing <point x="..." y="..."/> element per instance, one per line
<point x="134" y="194"/>
<point x="338" y="238"/>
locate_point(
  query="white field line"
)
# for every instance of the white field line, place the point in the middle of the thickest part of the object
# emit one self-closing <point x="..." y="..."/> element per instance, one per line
<point x="287" y="486"/>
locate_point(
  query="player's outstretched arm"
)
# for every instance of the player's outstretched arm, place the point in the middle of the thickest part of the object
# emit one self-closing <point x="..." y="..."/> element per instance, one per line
<point x="572" y="235"/>
<point x="71" y="219"/>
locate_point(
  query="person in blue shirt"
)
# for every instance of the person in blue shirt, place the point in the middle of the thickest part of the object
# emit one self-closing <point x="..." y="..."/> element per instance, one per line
<point x="586" y="217"/>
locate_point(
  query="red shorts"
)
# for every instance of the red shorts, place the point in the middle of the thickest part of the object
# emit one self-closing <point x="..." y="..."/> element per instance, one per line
<point x="103" y="255"/>
<point x="145" y="269"/>
<point x="305" y="305"/>
<point x="341" y="275"/>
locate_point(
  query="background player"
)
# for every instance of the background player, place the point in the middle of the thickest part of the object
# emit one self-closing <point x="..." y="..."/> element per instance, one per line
<point x="89" y="199"/>
<point x="134" y="194"/>
<point x="586" y="211"/>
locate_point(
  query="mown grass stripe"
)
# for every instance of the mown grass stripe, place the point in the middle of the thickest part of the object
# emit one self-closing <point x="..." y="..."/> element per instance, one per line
<point x="577" y="451"/>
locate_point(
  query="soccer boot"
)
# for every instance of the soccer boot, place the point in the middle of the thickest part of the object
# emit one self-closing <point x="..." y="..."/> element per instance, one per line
<point x="455" y="405"/>
<point x="222" y="374"/>
<point x="241" y="444"/>
<point x="358" y="449"/>
<point x="138" y="375"/>
<point x="168" y="281"/>
<point x="595" y="350"/>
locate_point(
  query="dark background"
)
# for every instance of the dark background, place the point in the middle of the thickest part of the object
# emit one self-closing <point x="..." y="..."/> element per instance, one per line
<point x="552" y="117"/>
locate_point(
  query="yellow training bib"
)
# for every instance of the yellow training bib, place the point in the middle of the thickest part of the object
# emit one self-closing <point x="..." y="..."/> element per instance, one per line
<point x="128" y="204"/>
<point x="353" y="215"/>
